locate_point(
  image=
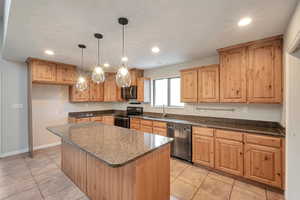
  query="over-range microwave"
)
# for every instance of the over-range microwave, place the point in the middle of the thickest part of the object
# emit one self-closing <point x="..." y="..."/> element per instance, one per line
<point x="129" y="92"/>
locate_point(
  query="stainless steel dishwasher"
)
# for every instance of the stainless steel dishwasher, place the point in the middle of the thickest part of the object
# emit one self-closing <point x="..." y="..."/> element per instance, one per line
<point x="182" y="145"/>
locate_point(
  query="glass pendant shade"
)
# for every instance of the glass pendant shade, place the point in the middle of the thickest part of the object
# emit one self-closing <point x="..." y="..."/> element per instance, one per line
<point x="123" y="77"/>
<point x="81" y="84"/>
<point x="98" y="75"/>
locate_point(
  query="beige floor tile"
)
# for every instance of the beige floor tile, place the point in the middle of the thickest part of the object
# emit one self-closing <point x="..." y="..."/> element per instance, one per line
<point x="204" y="195"/>
<point x="182" y="190"/>
<point x="12" y="189"/>
<point x="250" y="188"/>
<point x="214" y="188"/>
<point x="274" y="196"/>
<point x="16" y="177"/>
<point x="177" y="167"/>
<point x="13" y="170"/>
<point x="71" y="192"/>
<point x="84" y="198"/>
<point x="32" y="194"/>
<point x="193" y="175"/>
<point x="220" y="177"/>
<point x="243" y="194"/>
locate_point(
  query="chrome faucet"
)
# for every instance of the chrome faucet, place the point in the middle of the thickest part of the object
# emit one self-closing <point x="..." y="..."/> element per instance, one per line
<point x="164" y="111"/>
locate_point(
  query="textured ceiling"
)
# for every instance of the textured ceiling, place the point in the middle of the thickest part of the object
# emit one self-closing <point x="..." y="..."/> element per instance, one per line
<point x="184" y="30"/>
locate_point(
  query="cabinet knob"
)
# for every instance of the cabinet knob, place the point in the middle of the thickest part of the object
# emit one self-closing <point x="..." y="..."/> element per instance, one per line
<point x="266" y="158"/>
<point x="278" y="174"/>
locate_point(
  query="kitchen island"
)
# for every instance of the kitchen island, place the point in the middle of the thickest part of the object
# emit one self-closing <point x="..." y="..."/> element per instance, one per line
<point x="112" y="163"/>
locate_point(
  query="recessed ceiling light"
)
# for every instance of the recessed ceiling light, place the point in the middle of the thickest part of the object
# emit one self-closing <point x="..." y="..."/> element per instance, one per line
<point x="155" y="49"/>
<point x="49" y="52"/>
<point x="245" y="21"/>
<point x="106" y="64"/>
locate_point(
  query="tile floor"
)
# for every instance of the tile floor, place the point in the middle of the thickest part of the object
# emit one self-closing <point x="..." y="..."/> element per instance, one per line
<point x="23" y="178"/>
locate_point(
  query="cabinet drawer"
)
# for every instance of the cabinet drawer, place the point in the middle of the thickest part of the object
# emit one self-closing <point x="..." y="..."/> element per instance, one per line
<point x="135" y="120"/>
<point x="147" y="129"/>
<point x="110" y="120"/>
<point x="160" y="131"/>
<point x="159" y="124"/>
<point x="97" y="119"/>
<point x="229" y="135"/>
<point x="85" y="119"/>
<point x="263" y="140"/>
<point x="146" y="122"/>
<point x="135" y="126"/>
<point x="203" y="131"/>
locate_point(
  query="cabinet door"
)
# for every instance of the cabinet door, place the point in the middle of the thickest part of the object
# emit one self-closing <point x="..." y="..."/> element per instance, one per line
<point x="146" y="129"/>
<point x="78" y="96"/>
<point x="160" y="131"/>
<point x="203" y="150"/>
<point x="110" y="120"/>
<point x="96" y="91"/>
<point x="263" y="164"/>
<point x="43" y="71"/>
<point x="81" y="120"/>
<point x="189" y="86"/>
<point x="229" y="156"/>
<point x="208" y="84"/>
<point x="65" y="74"/>
<point x="233" y="64"/>
<point x="112" y="92"/>
<point x="265" y="72"/>
<point x="140" y="89"/>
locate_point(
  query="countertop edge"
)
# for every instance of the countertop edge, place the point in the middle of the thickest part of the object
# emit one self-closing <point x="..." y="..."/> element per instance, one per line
<point x="103" y="161"/>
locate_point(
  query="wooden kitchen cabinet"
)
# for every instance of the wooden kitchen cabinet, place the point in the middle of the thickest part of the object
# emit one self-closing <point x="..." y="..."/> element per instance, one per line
<point x="84" y="119"/>
<point x="146" y="126"/>
<point x="229" y="152"/>
<point x="96" y="91"/>
<point x="159" y="128"/>
<point x="135" y="123"/>
<point x="66" y="74"/>
<point x="96" y="119"/>
<point x="203" y="146"/>
<point x="42" y="71"/>
<point x="265" y="72"/>
<point x="112" y="93"/>
<point x="189" y="84"/>
<point x="208" y="84"/>
<point x="79" y="96"/>
<point x="143" y="89"/>
<point x="108" y="119"/>
<point x="264" y="159"/>
<point x="135" y="75"/>
<point x="233" y="66"/>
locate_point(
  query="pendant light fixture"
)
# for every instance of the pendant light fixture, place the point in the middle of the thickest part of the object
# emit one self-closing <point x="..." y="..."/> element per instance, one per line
<point x="123" y="78"/>
<point x="98" y="75"/>
<point x="81" y="83"/>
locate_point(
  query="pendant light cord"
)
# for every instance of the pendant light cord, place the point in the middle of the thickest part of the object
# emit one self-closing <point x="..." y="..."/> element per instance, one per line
<point x="123" y="38"/>
<point x="98" y="60"/>
<point x="82" y="58"/>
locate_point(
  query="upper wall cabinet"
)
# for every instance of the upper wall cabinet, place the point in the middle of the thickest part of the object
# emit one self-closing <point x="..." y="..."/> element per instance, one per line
<point x="189" y="89"/>
<point x="79" y="96"/>
<point x="112" y="92"/>
<point x="233" y="65"/>
<point x="208" y="84"/>
<point x="143" y="90"/>
<point x="252" y="72"/>
<point x="96" y="91"/>
<point x="47" y="72"/>
<point x="135" y="75"/>
<point x="66" y="74"/>
<point x="265" y="72"/>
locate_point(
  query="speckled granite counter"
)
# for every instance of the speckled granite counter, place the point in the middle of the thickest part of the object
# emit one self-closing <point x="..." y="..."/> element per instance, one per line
<point x="247" y="126"/>
<point x="112" y="145"/>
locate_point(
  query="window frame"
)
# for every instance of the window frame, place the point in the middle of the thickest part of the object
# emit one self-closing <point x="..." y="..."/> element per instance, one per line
<point x="168" y="95"/>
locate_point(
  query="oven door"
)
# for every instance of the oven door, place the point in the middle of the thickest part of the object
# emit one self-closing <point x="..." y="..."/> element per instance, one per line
<point x="122" y="122"/>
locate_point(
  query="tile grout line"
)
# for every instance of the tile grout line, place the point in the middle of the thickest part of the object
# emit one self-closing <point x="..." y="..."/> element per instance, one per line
<point x="232" y="189"/>
<point x="199" y="186"/>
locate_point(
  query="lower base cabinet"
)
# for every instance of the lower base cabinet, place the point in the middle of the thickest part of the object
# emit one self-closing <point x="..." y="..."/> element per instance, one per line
<point x="263" y="164"/>
<point x="229" y="156"/>
<point x="255" y="157"/>
<point x="203" y="150"/>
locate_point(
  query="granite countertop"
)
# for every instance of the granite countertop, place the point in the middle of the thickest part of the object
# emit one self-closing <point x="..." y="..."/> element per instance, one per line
<point x="112" y="145"/>
<point x="247" y="126"/>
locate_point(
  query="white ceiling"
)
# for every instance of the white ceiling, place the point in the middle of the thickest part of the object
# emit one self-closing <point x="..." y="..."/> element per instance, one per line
<point x="184" y="30"/>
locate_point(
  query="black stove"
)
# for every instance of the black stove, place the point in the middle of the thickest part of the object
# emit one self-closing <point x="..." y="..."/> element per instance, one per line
<point x="124" y="120"/>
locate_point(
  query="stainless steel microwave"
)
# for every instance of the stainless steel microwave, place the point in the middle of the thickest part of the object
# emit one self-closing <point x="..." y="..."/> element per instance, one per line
<point x="129" y="92"/>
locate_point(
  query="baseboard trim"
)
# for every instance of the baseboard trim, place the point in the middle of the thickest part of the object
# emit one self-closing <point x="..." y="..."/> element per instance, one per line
<point x="47" y="146"/>
<point x="13" y="153"/>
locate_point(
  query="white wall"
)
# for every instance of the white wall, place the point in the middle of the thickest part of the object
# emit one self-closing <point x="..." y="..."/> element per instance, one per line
<point x="13" y="92"/>
<point x="265" y="112"/>
<point x="292" y="107"/>
<point x="50" y="106"/>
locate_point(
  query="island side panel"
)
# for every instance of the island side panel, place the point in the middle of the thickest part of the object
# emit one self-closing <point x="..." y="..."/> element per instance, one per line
<point x="73" y="164"/>
<point x="153" y="175"/>
<point x="105" y="182"/>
